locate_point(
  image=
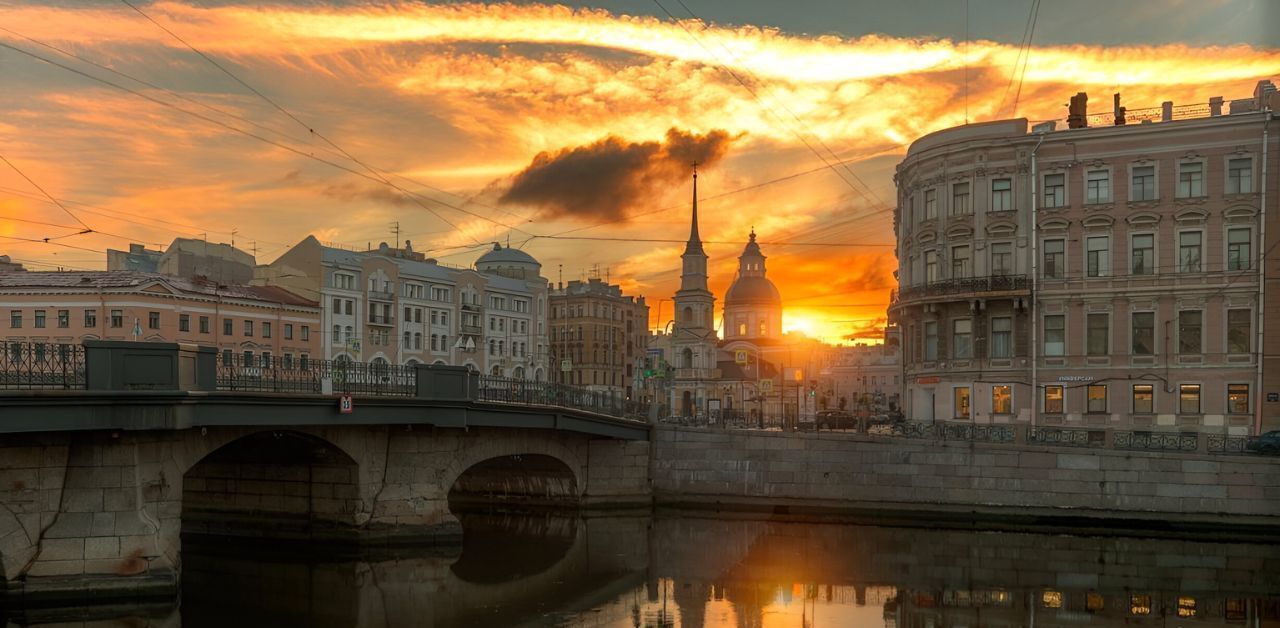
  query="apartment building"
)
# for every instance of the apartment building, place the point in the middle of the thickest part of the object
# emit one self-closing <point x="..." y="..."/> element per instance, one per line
<point x="256" y="322"/>
<point x="396" y="306"/>
<point x="598" y="336"/>
<point x="1106" y="274"/>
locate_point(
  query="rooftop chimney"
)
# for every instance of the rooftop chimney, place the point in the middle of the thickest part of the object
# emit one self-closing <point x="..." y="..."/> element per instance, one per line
<point x="1078" y="111"/>
<point x="1215" y="106"/>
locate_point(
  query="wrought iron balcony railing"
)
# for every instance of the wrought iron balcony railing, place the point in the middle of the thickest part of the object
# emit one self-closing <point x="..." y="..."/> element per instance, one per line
<point x="968" y="285"/>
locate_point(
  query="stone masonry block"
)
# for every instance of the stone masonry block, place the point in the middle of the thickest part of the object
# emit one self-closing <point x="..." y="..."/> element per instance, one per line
<point x="70" y="525"/>
<point x="1079" y="461"/>
<point x="62" y="549"/>
<point x="57" y="568"/>
<point x="102" y="547"/>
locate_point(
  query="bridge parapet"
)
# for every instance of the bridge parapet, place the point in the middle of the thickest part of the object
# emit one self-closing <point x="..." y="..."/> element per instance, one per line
<point x="161" y="366"/>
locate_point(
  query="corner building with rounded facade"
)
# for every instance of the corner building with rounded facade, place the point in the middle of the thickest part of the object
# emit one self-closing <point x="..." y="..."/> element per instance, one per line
<point x="1104" y="276"/>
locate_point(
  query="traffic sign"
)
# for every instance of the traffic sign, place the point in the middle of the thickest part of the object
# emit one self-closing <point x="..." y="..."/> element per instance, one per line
<point x="740" y="356"/>
<point x="766" y="386"/>
<point x="345" y="404"/>
<point x="566" y="366"/>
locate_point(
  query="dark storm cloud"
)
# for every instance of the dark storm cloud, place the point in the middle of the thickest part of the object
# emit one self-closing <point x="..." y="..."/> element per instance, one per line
<point x="609" y="178"/>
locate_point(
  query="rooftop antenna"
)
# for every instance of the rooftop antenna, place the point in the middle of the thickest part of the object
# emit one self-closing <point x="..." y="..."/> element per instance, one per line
<point x="233" y="237"/>
<point x="395" y="228"/>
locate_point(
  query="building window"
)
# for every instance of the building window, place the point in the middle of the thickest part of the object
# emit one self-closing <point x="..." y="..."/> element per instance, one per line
<point x="960" y="262"/>
<point x="962" y="402"/>
<point x="1144" y="254"/>
<point x="90" y="318"/>
<point x="306" y="333"/>
<point x="1096" y="397"/>
<point x="349" y="303"/>
<point x="204" y="324"/>
<point x="1054" y="259"/>
<point x="1055" y="334"/>
<point x="184" y="322"/>
<point x="1002" y="399"/>
<point x="1189" y="399"/>
<point x="1144" y="333"/>
<point x="1239" y="340"/>
<point x="1189" y="331"/>
<point x="1190" y="179"/>
<point x="1055" y="190"/>
<point x="1053" y="399"/>
<point x="408" y="340"/>
<point x="1240" y="175"/>
<point x="1001" y="337"/>
<point x="1098" y="256"/>
<point x="1238" y="398"/>
<point x="960" y="200"/>
<point x="228" y="326"/>
<point x="1143" y="399"/>
<point x="1097" y="187"/>
<point x="1139" y="604"/>
<point x="962" y="339"/>
<point x="1002" y="258"/>
<point x="39" y="319"/>
<point x="288" y="331"/>
<point x="153" y="320"/>
<point x="930" y="341"/>
<point x="248" y="328"/>
<point x="64" y="318"/>
<point x="930" y="204"/>
<point x="1238" y="253"/>
<point x="117" y="318"/>
<point x="1143" y="186"/>
<point x="1189" y="252"/>
<point x="930" y="266"/>
<point x="266" y="329"/>
<point x="1186" y="606"/>
<point x="1001" y="195"/>
<point x="1098" y="331"/>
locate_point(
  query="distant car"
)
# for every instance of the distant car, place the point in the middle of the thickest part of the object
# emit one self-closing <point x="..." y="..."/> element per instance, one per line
<point x="836" y="420"/>
<point x="1267" y="443"/>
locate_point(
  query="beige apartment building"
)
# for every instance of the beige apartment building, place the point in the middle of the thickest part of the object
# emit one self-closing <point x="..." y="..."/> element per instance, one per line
<point x="598" y="336"/>
<point x="1106" y="274"/>
<point x="257" y="323"/>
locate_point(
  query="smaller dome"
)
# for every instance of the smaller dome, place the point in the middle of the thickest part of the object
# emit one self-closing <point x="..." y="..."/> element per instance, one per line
<point x="500" y="255"/>
<point x="508" y="262"/>
<point x="752" y="290"/>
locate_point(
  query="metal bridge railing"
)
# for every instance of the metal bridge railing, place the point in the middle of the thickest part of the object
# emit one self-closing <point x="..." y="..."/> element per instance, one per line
<point x="521" y="391"/>
<point x="41" y="365"/>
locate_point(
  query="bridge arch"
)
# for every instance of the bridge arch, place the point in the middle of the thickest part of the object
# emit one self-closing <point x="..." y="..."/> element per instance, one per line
<point x="537" y="471"/>
<point x="276" y="483"/>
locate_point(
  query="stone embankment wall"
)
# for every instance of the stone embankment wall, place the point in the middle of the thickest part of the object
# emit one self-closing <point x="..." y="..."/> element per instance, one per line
<point x="857" y="472"/>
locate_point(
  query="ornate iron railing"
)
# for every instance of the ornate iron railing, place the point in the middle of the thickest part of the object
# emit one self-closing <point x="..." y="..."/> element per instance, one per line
<point x="257" y="373"/>
<point x="1222" y="444"/>
<point x="1157" y="441"/>
<point x="985" y="433"/>
<point x="1065" y="437"/>
<point x="991" y="283"/>
<point x="527" y="392"/>
<point x="40" y="365"/>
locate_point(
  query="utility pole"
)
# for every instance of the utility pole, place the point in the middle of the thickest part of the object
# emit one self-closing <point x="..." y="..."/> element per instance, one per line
<point x="395" y="229"/>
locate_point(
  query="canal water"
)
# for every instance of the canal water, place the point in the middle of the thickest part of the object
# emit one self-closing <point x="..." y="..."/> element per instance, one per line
<point x="681" y="569"/>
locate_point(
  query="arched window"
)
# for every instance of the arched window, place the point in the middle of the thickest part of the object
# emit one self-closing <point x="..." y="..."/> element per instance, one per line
<point x="407" y="337"/>
<point x="742" y="329"/>
<point x="688" y="314"/>
<point x="687" y="358"/>
<point x="417" y="340"/>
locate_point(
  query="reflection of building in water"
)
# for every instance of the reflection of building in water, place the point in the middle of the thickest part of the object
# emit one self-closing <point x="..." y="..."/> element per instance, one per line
<point x="1016" y="608"/>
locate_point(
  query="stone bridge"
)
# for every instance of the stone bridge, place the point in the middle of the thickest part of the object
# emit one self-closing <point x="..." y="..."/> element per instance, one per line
<point x="102" y="482"/>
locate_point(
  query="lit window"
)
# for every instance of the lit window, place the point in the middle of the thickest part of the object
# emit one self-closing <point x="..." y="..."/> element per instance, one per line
<point x="1002" y="399"/>
<point x="1238" y="398"/>
<point x="1143" y="398"/>
<point x="1186" y="606"/>
<point x="962" y="402"/>
<point x="1051" y="599"/>
<point x="1097" y="398"/>
<point x="1189" y="399"/>
<point x="1053" y="404"/>
<point x="1139" y="604"/>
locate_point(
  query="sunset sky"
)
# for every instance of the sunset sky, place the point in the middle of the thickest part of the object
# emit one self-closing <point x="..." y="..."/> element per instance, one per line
<point x="565" y="129"/>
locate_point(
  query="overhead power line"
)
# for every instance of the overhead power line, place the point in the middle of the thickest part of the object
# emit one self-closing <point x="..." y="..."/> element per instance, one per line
<point x="46" y="194"/>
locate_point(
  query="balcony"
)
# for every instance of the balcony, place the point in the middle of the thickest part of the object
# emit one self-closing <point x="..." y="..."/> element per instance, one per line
<point x="382" y="295"/>
<point x="378" y="319"/>
<point x="970" y="286"/>
<point x="474" y="330"/>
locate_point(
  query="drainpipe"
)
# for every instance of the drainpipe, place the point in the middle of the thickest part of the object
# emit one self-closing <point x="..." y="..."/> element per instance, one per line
<point x="1035" y="273"/>
<point x="1262" y="283"/>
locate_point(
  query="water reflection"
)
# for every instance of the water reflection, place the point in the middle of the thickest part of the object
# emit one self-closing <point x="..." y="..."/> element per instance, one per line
<point x="549" y="570"/>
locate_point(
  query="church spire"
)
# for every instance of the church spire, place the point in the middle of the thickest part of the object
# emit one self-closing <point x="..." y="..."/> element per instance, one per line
<point x="695" y="241"/>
